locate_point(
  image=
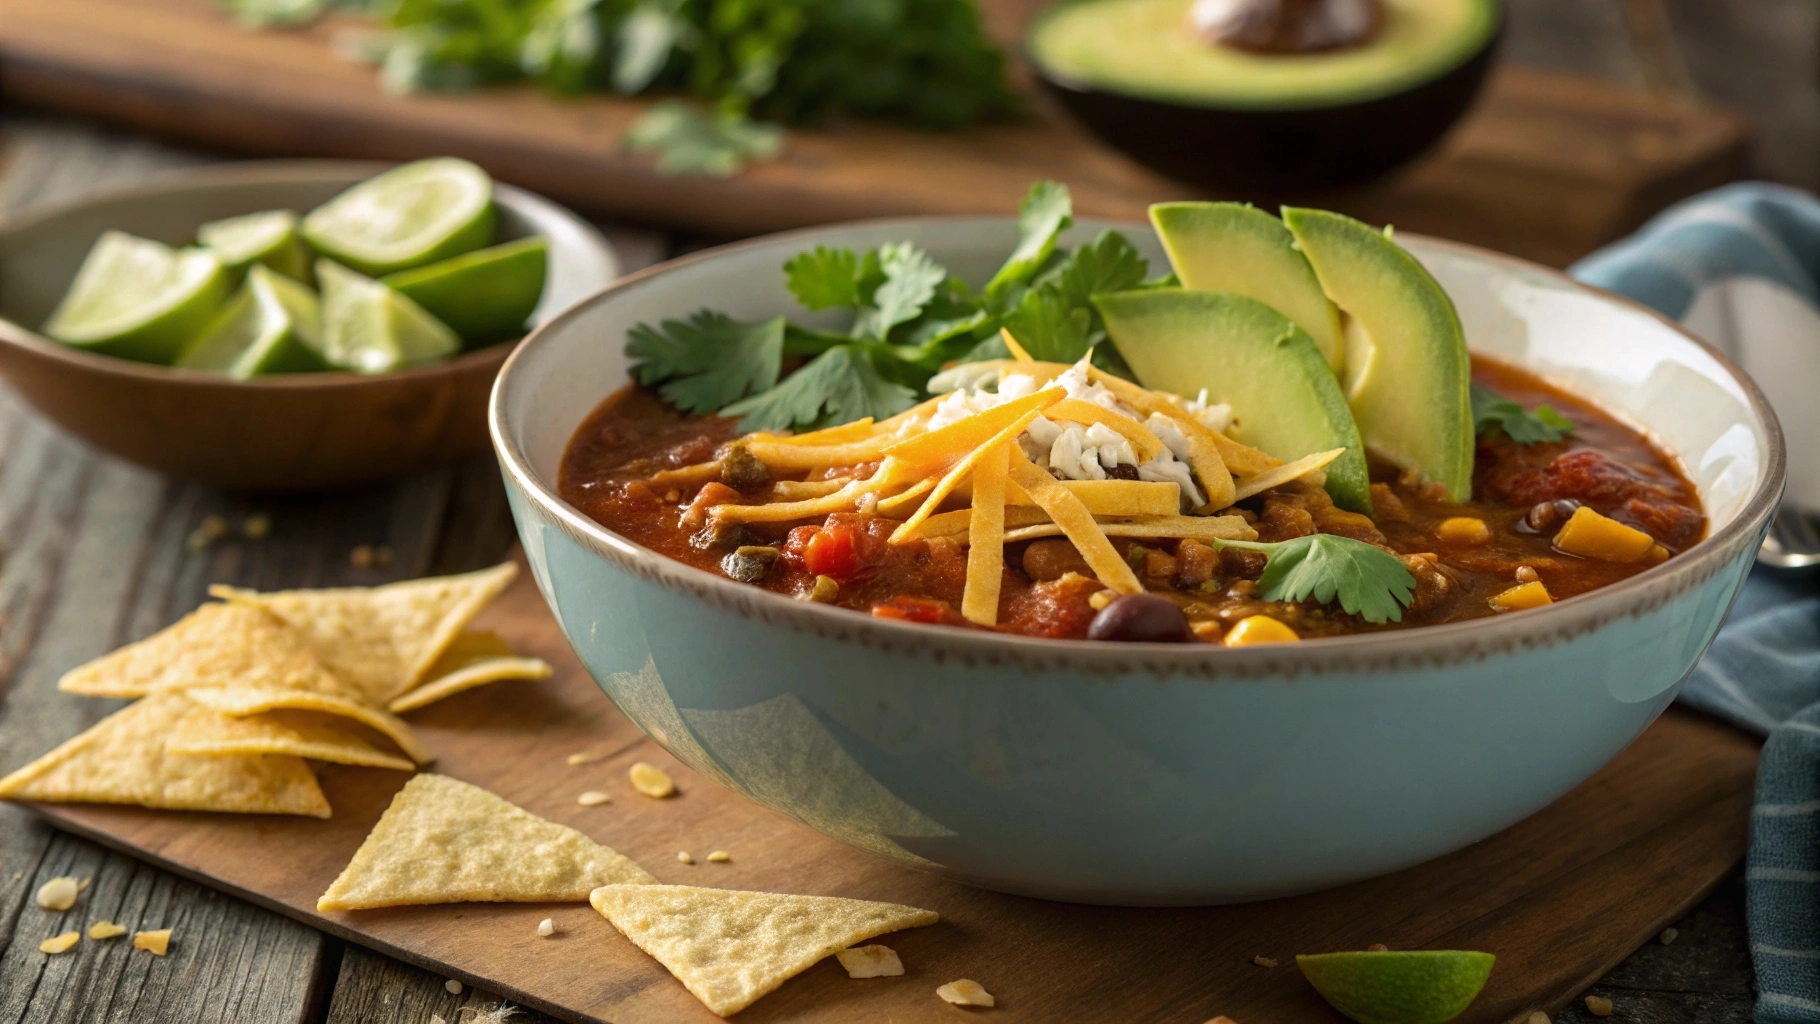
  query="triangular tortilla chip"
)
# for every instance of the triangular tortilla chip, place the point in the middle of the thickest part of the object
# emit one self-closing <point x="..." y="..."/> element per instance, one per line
<point x="122" y="760"/>
<point x="474" y="659"/>
<point x="308" y="734"/>
<point x="217" y="644"/>
<point x="445" y="841"/>
<point x="729" y="948"/>
<point x="382" y="640"/>
<point x="240" y="701"/>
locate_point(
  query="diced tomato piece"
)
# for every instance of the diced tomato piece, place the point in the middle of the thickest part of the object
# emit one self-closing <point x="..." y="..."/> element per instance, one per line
<point x="833" y="551"/>
<point x="917" y="609"/>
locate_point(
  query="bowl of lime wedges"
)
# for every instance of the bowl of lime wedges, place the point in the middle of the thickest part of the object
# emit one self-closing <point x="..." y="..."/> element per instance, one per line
<point x="286" y="325"/>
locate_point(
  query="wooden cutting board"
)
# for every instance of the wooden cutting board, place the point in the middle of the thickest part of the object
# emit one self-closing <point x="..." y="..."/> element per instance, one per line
<point x="1559" y="898"/>
<point x="1546" y="167"/>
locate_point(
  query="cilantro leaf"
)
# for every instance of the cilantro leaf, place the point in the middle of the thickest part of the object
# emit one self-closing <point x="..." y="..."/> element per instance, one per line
<point x="1047" y="211"/>
<point x="1109" y="263"/>
<point x="1055" y="320"/>
<point x="824" y="278"/>
<point x="839" y="386"/>
<point x="707" y="361"/>
<point x="1049" y="327"/>
<point x="910" y="281"/>
<point x="689" y="140"/>
<point x="1492" y="413"/>
<point x="1368" y="581"/>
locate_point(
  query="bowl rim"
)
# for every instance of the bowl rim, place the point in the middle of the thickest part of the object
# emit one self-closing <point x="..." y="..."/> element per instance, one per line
<point x="1424" y="646"/>
<point x="1081" y="84"/>
<point x="254" y="172"/>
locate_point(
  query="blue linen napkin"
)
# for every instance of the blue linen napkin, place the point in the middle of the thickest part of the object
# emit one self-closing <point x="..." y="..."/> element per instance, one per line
<point x="1740" y="266"/>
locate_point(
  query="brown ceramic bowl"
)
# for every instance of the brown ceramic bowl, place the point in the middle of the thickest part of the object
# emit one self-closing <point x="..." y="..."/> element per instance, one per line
<point x="290" y="432"/>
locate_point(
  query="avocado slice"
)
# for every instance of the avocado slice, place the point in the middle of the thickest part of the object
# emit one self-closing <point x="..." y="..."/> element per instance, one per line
<point x="1238" y="248"/>
<point x="1252" y="358"/>
<point x="1407" y="371"/>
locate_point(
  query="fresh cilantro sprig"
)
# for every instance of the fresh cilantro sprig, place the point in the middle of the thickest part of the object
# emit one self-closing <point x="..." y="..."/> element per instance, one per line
<point x="1367" y="580"/>
<point x="908" y="319"/>
<point x="1492" y="414"/>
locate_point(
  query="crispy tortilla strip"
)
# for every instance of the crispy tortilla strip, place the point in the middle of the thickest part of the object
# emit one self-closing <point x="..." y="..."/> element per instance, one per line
<point x="445" y="841"/>
<point x="952" y="479"/>
<point x="217" y="644"/>
<point x="858" y="430"/>
<point x="782" y="454"/>
<point x="240" y="701"/>
<point x="920" y="411"/>
<point x="1018" y="352"/>
<point x="935" y="450"/>
<point x="1285" y="473"/>
<point x="685" y="476"/>
<point x="474" y="659"/>
<point x="802" y="490"/>
<point x="381" y="641"/>
<point x="1239" y="458"/>
<point x="1076" y="524"/>
<point x="1171" y="527"/>
<point x="206" y="732"/>
<point x="122" y="760"/>
<point x="986" y="536"/>
<point x="1121" y="497"/>
<point x="1073" y="410"/>
<point x="728" y="947"/>
<point x="960" y="521"/>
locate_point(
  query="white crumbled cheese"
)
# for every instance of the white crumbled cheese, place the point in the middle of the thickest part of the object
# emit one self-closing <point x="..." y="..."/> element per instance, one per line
<point x="1167" y="432"/>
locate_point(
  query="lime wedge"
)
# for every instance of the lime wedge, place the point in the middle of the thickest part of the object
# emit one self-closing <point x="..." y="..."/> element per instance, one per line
<point x="485" y="295"/>
<point x="270" y="238"/>
<point x="369" y="328"/>
<point x="1399" y="987"/>
<point x="408" y="216"/>
<point x="139" y="299"/>
<point x="271" y="325"/>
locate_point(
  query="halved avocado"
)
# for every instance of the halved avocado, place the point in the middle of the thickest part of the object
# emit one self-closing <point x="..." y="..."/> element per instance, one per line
<point x="1252" y="358"/>
<point x="1408" y="374"/>
<point x="1238" y="248"/>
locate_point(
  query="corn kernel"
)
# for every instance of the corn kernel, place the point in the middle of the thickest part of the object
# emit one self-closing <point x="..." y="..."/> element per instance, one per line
<point x="1656" y="555"/>
<point x="1259" y="629"/>
<point x="1591" y="535"/>
<point x="1207" y="631"/>
<point x="652" y="781"/>
<point x="1521" y="597"/>
<point x="1099" y="599"/>
<point x="1463" y="530"/>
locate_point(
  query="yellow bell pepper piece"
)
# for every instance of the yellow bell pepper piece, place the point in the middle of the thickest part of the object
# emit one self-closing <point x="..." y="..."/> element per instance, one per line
<point x="1259" y="629"/>
<point x="1523" y="596"/>
<point x="1591" y="535"/>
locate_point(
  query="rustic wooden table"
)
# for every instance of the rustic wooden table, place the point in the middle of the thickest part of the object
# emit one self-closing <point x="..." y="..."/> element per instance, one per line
<point x="93" y="553"/>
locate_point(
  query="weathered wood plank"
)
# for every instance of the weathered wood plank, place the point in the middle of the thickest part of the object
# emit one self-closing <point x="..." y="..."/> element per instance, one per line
<point x="373" y="988"/>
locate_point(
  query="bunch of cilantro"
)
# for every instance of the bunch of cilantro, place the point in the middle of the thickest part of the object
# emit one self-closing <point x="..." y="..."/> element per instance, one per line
<point x="744" y="62"/>
<point x="909" y="319"/>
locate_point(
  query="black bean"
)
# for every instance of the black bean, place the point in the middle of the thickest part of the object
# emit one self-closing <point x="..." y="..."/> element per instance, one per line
<point x="1140" y="618"/>
<point x="750" y="563"/>
<point x="722" y="535"/>
<point x="741" y="470"/>
<point x="1123" y="471"/>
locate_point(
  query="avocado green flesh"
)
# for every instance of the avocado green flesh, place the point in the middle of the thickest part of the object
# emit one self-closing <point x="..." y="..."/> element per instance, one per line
<point x="1238" y="248"/>
<point x="1408" y="373"/>
<point x="1249" y="356"/>
<point x="1142" y="48"/>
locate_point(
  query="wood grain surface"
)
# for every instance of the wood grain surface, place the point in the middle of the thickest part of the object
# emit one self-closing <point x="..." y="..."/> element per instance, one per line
<point x="1558" y="898"/>
<point x="1546" y="167"/>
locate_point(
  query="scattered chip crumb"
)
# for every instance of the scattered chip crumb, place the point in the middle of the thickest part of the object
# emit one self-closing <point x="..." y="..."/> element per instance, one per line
<point x="1263" y="961"/>
<point x="585" y="757"/>
<point x="1222" y="1019"/>
<point x="1598" y="1006"/>
<point x="497" y="1015"/>
<point x="720" y="856"/>
<point x="652" y="781"/>
<point x="59" y="893"/>
<point x="436" y="1018"/>
<point x="214" y="526"/>
<point x="83" y="885"/>
<point x="872" y="962"/>
<point x="1377" y="947"/>
<point x="453" y="986"/>
<point x="361" y="557"/>
<point x="59" y="943"/>
<point x="1668" y="935"/>
<point x="685" y="858"/>
<point x="157" y="943"/>
<point x="105" y="929"/>
<point x="1538" y="1017"/>
<point x="256" y="526"/>
<point x="546" y="927"/>
<point x="593" y="798"/>
<point x="966" y="992"/>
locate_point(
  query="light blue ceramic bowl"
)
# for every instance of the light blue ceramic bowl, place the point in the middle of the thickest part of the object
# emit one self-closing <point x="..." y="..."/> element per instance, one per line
<point x="1140" y="773"/>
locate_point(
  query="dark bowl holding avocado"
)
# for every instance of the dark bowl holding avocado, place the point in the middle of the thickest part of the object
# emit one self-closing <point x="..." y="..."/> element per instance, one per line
<point x="284" y="431"/>
<point x="1235" y="114"/>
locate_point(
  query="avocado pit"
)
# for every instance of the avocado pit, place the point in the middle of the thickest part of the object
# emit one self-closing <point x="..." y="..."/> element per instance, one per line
<point x="1286" y="26"/>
